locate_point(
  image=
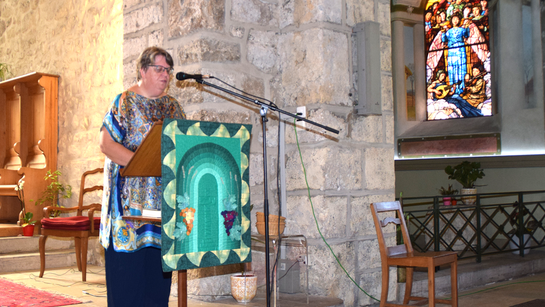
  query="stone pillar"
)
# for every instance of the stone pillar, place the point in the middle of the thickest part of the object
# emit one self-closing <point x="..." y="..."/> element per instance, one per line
<point x="294" y="53"/>
<point x="510" y="56"/>
<point x="419" y="72"/>
<point x="522" y="125"/>
<point x="537" y="54"/>
<point x="398" y="72"/>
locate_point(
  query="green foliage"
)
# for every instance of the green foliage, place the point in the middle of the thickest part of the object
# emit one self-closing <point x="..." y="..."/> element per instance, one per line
<point x="54" y="190"/>
<point x="449" y="191"/>
<point x="27" y="219"/>
<point x="4" y="71"/>
<point x="465" y="173"/>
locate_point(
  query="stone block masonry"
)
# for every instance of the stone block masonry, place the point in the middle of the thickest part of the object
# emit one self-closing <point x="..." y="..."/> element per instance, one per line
<point x="294" y="53"/>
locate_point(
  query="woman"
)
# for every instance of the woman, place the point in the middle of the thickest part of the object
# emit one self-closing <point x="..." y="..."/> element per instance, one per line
<point x="134" y="275"/>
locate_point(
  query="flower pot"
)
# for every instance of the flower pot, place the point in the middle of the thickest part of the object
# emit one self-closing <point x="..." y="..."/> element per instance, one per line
<point x="515" y="239"/>
<point x="28" y="230"/>
<point x="468" y="200"/>
<point x="243" y="287"/>
<point x="446" y="201"/>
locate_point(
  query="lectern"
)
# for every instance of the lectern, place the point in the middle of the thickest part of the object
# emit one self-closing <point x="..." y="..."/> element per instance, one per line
<point x="146" y="162"/>
<point x="206" y="208"/>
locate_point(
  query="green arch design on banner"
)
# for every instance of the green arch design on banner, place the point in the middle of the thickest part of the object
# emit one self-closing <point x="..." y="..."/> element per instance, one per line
<point x="205" y="174"/>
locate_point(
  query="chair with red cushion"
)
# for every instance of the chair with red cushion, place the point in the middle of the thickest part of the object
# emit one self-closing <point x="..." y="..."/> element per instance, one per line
<point x="80" y="226"/>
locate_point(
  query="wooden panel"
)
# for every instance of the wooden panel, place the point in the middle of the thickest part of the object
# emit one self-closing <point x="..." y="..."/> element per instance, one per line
<point x="3" y="129"/>
<point x="10" y="207"/>
<point x="8" y="190"/>
<point x="8" y="230"/>
<point x="50" y="84"/>
<point x="146" y="161"/>
<point x="28" y="139"/>
<point x="13" y="129"/>
<point x="449" y="146"/>
<point x="37" y="98"/>
<point x="25" y="127"/>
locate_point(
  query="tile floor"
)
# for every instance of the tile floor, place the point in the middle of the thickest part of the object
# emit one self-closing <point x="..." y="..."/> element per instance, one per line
<point x="68" y="281"/>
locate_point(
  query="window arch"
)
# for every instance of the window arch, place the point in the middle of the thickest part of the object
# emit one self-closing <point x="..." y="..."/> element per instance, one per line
<point x="457" y="35"/>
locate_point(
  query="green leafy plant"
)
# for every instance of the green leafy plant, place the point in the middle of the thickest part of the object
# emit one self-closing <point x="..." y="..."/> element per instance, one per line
<point x="466" y="173"/>
<point x="54" y="190"/>
<point x="449" y="191"/>
<point x="4" y="71"/>
<point x="27" y="219"/>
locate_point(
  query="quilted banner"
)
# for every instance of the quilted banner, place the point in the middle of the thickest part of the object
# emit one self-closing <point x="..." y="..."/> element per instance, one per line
<point x="206" y="196"/>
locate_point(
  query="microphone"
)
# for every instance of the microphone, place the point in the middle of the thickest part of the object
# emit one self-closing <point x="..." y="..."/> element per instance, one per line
<point x="183" y="76"/>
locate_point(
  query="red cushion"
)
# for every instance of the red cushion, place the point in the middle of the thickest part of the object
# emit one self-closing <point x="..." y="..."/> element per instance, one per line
<point x="70" y="223"/>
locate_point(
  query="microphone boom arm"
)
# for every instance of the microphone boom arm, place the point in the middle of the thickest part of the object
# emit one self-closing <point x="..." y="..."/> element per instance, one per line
<point x="263" y="112"/>
<point x="263" y="104"/>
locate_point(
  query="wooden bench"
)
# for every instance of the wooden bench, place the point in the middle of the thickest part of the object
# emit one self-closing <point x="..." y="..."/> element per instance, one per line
<point x="28" y="143"/>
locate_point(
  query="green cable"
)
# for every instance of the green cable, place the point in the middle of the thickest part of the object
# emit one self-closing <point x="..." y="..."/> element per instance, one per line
<point x="316" y="220"/>
<point x="339" y="262"/>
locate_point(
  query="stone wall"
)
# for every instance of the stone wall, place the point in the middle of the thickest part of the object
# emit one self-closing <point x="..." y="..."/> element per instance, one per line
<point x="295" y="53"/>
<point x="81" y="41"/>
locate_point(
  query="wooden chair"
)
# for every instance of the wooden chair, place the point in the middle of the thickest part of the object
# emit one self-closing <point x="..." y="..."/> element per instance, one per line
<point x="403" y="255"/>
<point x="80" y="227"/>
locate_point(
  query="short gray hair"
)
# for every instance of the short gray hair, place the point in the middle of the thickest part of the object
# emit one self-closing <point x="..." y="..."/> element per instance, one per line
<point x="147" y="58"/>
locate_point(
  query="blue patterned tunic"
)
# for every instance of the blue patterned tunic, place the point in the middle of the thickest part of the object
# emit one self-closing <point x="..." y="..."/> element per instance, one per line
<point x="128" y="121"/>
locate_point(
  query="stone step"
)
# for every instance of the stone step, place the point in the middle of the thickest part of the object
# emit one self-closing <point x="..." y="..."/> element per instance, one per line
<point x="471" y="275"/>
<point x="31" y="261"/>
<point x="21" y="244"/>
<point x="22" y="253"/>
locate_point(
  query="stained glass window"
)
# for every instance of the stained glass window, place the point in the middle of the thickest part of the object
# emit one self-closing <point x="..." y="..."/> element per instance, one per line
<point x="457" y="59"/>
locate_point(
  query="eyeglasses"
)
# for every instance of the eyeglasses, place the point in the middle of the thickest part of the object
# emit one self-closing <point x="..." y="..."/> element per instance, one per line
<point x="160" y="69"/>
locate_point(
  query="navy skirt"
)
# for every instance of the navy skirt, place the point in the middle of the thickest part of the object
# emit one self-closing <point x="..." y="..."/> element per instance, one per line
<point x="136" y="278"/>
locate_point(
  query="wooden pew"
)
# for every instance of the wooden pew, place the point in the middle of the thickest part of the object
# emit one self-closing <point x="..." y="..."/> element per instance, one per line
<point x="28" y="143"/>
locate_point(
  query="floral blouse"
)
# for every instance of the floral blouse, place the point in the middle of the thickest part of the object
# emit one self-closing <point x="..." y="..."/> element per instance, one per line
<point x="128" y="120"/>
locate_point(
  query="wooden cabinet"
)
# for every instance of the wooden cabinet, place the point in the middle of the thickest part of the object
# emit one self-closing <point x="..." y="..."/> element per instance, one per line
<point x="28" y="143"/>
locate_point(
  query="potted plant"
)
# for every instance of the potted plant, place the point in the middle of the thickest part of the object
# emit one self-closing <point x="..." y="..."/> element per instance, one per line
<point x="244" y="286"/>
<point x="28" y="224"/>
<point x="520" y="230"/>
<point x="54" y="191"/>
<point x="466" y="173"/>
<point x="447" y="195"/>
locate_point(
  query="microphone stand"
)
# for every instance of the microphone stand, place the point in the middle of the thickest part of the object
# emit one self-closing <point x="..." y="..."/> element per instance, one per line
<point x="263" y="112"/>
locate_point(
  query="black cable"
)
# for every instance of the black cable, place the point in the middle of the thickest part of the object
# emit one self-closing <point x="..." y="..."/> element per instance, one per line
<point x="43" y="280"/>
<point x="296" y="261"/>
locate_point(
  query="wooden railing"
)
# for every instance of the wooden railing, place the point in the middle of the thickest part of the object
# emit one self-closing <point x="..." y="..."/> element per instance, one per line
<point x="28" y="142"/>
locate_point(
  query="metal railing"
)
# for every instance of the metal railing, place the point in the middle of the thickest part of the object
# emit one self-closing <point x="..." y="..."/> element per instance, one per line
<point x="492" y="225"/>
